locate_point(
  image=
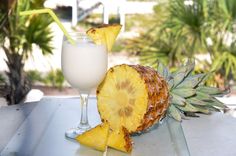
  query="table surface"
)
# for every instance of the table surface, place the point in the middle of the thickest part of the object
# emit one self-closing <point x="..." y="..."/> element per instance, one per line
<point x="38" y="129"/>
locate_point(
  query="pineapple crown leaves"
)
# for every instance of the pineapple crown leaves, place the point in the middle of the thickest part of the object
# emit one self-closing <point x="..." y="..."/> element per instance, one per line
<point x="188" y="93"/>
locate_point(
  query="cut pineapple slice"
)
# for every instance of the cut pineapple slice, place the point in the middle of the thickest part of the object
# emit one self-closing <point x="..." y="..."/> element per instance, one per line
<point x="120" y="140"/>
<point x="95" y="137"/>
<point x="105" y="34"/>
<point x="134" y="97"/>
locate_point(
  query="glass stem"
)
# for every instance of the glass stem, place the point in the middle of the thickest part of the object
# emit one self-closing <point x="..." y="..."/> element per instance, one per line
<point x="84" y="111"/>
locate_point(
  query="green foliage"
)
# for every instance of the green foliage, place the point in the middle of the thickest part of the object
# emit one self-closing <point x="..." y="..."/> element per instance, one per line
<point x="224" y="48"/>
<point x="54" y="78"/>
<point x="188" y="92"/>
<point x="39" y="33"/>
<point x="226" y="61"/>
<point x="178" y="34"/>
<point x="183" y="30"/>
<point x="114" y="19"/>
<point x="34" y="76"/>
<point x="225" y="15"/>
<point x="23" y="32"/>
<point x="36" y="4"/>
<point x="17" y="36"/>
<point x="2" y="79"/>
<point x="186" y="22"/>
<point x="163" y="49"/>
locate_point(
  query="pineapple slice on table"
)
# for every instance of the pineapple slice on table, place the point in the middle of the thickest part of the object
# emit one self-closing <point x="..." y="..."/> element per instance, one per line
<point x="105" y="34"/>
<point x="95" y="137"/>
<point x="120" y="140"/>
<point x="132" y="96"/>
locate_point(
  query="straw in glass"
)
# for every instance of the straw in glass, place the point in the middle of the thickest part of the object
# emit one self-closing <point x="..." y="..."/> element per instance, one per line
<point x="54" y="17"/>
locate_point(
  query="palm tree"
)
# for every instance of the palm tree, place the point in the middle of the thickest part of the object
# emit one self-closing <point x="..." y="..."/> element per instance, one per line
<point x="188" y="28"/>
<point x="224" y="37"/>
<point x="178" y="35"/>
<point x="17" y="36"/>
<point x="186" y="25"/>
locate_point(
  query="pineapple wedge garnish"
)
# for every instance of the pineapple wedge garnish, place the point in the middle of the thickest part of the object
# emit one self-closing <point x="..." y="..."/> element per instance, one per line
<point x="95" y="137"/>
<point x="105" y="34"/>
<point x="120" y="140"/>
<point x="101" y="136"/>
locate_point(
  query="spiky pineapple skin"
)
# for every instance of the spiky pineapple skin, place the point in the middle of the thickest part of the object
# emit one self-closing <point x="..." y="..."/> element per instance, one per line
<point x="157" y="96"/>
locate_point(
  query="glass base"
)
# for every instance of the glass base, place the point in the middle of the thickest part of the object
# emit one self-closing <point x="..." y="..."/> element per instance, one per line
<point x="74" y="132"/>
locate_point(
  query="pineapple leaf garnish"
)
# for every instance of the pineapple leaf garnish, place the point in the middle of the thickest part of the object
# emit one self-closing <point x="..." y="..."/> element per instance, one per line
<point x="188" y="93"/>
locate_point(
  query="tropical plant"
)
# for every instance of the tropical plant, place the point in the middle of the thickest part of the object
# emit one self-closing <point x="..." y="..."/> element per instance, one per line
<point x="189" y="28"/>
<point x="34" y="76"/>
<point x="188" y="92"/>
<point x="179" y="35"/>
<point x="224" y="38"/>
<point x="54" y="78"/>
<point x="186" y="22"/>
<point x="17" y="37"/>
<point x="163" y="49"/>
<point x="2" y="79"/>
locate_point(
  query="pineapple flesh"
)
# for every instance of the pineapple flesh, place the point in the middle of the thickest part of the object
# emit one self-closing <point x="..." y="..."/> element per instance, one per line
<point x="96" y="137"/>
<point x="132" y="96"/>
<point x="120" y="140"/>
<point x="105" y="34"/>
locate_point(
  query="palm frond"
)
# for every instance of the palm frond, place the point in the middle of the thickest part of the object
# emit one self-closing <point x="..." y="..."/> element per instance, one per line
<point x="39" y="33"/>
<point x="187" y="22"/>
<point x="225" y="63"/>
<point x="20" y="33"/>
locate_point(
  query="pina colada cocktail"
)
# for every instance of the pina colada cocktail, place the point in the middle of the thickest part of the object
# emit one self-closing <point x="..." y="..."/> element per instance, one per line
<point x="84" y="65"/>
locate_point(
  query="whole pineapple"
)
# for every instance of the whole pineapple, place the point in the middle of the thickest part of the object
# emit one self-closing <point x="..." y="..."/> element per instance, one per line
<point x="136" y="97"/>
<point x="132" y="96"/>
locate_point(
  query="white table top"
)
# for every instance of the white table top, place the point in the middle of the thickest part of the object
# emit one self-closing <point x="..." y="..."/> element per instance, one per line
<point x="38" y="129"/>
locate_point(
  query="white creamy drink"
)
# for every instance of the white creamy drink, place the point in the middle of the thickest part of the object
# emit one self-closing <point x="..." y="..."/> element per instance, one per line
<point x="84" y="64"/>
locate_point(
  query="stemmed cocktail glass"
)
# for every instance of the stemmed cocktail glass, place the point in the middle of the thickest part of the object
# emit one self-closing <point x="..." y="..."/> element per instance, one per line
<point x="84" y="65"/>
